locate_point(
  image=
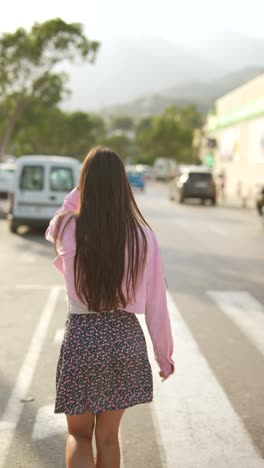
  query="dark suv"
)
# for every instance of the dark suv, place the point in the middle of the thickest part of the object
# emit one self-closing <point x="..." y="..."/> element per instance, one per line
<point x="193" y="184"/>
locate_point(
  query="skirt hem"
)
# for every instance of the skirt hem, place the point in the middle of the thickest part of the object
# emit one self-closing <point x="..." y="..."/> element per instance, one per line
<point x="110" y="408"/>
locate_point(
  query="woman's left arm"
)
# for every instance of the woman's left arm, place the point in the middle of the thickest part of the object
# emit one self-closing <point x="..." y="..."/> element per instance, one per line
<point x="71" y="203"/>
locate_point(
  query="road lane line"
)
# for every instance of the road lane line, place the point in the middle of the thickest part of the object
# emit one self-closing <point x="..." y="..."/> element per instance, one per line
<point x="27" y="257"/>
<point x="35" y="286"/>
<point x="217" y="230"/>
<point x="197" y="424"/>
<point x="14" y="406"/>
<point x="244" y="311"/>
<point x="48" y="424"/>
<point x="122" y="463"/>
<point x="58" y="336"/>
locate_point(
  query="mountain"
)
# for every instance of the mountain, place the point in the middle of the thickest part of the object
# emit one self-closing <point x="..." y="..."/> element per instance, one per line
<point x="126" y="69"/>
<point x="129" y="68"/>
<point x="201" y="94"/>
<point x="230" y="49"/>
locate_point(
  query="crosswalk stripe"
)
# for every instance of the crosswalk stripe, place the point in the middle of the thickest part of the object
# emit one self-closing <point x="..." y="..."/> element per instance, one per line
<point x="122" y="463"/>
<point x="14" y="406"/>
<point x="58" y="336"/>
<point x="217" y="230"/>
<point x="48" y="424"/>
<point x="197" y="424"/>
<point x="245" y="312"/>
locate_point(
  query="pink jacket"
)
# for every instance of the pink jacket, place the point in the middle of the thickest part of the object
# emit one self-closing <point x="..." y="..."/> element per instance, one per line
<point x="150" y="295"/>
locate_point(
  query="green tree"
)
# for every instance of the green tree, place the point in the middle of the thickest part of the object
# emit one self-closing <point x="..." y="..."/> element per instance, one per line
<point x="52" y="131"/>
<point x="169" y="134"/>
<point x="143" y="124"/>
<point x="122" y="122"/>
<point x="27" y="62"/>
<point x="121" y="144"/>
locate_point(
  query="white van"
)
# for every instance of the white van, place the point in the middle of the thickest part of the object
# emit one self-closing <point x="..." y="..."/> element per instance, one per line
<point x="40" y="186"/>
<point x="165" y="168"/>
<point x="7" y="172"/>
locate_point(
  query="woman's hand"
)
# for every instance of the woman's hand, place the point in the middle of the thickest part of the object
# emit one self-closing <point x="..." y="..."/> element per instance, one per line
<point x="163" y="376"/>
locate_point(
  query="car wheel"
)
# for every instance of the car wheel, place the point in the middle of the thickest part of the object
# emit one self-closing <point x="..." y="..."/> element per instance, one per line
<point x="13" y="227"/>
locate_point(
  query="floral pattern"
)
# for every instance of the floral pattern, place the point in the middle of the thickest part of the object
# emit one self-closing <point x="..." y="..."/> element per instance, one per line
<point x="103" y="364"/>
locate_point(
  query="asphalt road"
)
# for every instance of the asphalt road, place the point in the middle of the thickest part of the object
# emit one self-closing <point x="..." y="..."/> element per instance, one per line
<point x="210" y="413"/>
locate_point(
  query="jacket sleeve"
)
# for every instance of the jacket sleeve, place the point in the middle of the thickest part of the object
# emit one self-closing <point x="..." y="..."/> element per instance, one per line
<point x="157" y="314"/>
<point x="71" y="203"/>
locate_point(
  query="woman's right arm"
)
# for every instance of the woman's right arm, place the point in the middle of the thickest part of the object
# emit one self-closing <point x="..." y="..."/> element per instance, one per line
<point x="71" y="203"/>
<point x="157" y="314"/>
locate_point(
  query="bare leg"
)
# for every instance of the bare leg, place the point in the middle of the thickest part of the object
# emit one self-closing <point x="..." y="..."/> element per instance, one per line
<point x="106" y="435"/>
<point x="79" y="452"/>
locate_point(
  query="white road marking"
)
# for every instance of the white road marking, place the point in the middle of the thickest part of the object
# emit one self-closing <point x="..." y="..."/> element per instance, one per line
<point x="181" y="222"/>
<point x="122" y="463"/>
<point x="217" y="230"/>
<point x="27" y="257"/>
<point x="58" y="336"/>
<point x="14" y="406"/>
<point x="246" y="313"/>
<point x="197" y="424"/>
<point x="48" y="424"/>
<point x="211" y="227"/>
<point x="35" y="286"/>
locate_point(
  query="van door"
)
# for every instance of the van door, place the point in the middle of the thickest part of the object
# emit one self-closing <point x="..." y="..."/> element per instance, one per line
<point x="61" y="180"/>
<point x="31" y="191"/>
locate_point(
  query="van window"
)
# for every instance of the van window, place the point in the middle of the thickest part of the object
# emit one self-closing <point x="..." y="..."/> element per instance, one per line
<point x="61" y="179"/>
<point x="32" y="178"/>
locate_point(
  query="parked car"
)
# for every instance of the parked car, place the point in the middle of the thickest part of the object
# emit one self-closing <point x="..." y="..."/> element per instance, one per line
<point x="135" y="178"/>
<point x="195" y="183"/>
<point x="7" y="172"/>
<point x="40" y="186"/>
<point x="165" y="168"/>
<point x="146" y="170"/>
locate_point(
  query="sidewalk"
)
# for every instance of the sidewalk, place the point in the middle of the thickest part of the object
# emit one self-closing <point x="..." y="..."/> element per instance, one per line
<point x="236" y="202"/>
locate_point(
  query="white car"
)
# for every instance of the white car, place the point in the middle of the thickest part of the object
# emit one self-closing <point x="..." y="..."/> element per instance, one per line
<point x="40" y="186"/>
<point x="146" y="170"/>
<point x="7" y="172"/>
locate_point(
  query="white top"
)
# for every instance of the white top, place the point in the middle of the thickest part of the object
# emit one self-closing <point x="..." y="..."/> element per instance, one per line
<point x="76" y="307"/>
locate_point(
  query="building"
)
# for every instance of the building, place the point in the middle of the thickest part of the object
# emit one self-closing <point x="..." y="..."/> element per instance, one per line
<point x="235" y="142"/>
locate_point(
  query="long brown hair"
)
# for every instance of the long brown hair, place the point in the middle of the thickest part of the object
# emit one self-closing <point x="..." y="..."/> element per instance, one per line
<point x="109" y="234"/>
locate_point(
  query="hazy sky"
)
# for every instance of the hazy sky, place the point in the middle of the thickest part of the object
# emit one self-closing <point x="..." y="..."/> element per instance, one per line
<point x="170" y="19"/>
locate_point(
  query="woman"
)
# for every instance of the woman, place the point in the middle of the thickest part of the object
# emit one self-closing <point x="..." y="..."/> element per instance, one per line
<point x="111" y="264"/>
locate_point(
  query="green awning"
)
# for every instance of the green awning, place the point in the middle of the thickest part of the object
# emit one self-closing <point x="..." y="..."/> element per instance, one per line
<point x="248" y="111"/>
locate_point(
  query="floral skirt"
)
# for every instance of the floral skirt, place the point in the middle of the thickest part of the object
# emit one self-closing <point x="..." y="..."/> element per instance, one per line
<point x="103" y="364"/>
